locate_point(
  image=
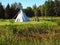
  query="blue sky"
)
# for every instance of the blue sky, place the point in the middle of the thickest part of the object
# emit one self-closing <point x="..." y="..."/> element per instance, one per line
<point x="25" y="3"/>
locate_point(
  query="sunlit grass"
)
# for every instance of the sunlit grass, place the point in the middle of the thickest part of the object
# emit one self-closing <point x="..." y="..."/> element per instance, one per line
<point x="44" y="32"/>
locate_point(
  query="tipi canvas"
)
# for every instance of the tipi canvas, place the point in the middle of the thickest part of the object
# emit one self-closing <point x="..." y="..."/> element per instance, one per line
<point x="21" y="17"/>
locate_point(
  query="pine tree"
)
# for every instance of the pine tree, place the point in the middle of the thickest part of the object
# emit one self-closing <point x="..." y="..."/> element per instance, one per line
<point x="49" y="8"/>
<point x="46" y="8"/>
<point x="7" y="11"/>
<point x="42" y="10"/>
<point x="57" y="7"/>
<point x="35" y="12"/>
<point x="1" y="11"/>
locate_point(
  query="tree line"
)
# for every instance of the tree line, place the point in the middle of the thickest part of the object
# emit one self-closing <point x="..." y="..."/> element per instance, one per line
<point x="49" y="8"/>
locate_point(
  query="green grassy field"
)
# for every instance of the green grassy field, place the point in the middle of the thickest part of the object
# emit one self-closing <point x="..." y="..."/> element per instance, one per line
<point x="31" y="20"/>
<point x="44" y="32"/>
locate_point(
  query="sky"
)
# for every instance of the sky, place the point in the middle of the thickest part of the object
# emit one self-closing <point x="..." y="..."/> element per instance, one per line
<point x="25" y="3"/>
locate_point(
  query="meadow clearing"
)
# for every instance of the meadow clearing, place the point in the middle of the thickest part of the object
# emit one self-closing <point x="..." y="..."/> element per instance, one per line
<point x="44" y="32"/>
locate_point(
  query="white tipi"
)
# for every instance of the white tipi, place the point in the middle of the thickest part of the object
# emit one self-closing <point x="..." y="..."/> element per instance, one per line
<point x="21" y="17"/>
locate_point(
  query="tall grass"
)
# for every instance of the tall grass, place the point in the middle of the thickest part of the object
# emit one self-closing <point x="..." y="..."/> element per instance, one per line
<point x="30" y="33"/>
<point x="44" y="32"/>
